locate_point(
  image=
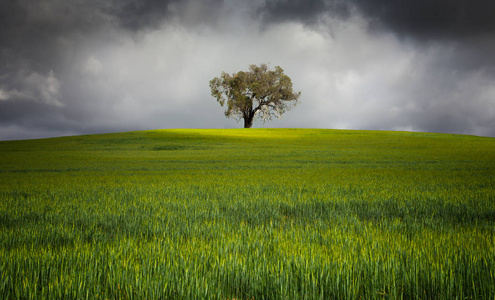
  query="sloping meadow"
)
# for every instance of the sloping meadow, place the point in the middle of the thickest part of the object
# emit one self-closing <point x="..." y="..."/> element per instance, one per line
<point x="257" y="213"/>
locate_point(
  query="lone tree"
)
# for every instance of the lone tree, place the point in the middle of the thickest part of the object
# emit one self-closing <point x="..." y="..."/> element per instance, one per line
<point x="260" y="93"/>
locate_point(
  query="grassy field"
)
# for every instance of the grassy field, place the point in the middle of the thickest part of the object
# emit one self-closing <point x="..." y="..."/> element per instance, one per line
<point x="248" y="214"/>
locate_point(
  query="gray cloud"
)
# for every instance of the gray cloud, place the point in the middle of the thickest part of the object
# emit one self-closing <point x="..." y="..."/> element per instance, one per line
<point x="104" y="66"/>
<point x="35" y="87"/>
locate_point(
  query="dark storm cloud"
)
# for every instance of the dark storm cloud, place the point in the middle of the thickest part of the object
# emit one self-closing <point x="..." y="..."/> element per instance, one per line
<point x="33" y="32"/>
<point x="36" y="35"/>
<point x="432" y="18"/>
<point x="423" y="19"/>
<point x="136" y="15"/>
<point x="308" y="11"/>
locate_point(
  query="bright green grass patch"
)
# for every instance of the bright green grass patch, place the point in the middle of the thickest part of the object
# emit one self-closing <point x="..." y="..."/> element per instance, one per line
<point x="258" y="213"/>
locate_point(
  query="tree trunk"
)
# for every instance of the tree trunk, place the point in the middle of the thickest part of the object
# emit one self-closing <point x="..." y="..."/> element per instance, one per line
<point x="248" y="121"/>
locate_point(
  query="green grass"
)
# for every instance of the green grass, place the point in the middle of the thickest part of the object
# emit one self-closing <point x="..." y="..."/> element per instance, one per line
<point x="258" y="213"/>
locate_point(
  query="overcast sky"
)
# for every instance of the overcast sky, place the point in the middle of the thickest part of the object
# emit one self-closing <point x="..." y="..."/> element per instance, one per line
<point x="96" y="66"/>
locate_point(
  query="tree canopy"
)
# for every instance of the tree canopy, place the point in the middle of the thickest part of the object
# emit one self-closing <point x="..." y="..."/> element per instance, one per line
<point x="259" y="93"/>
